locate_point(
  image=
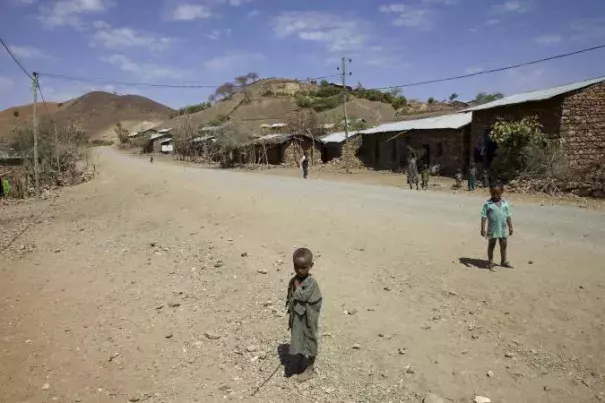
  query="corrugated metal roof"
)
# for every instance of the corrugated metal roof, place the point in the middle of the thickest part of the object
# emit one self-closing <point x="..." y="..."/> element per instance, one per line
<point x="454" y="121"/>
<point x="539" y="95"/>
<point x="337" y="137"/>
<point x="157" y="136"/>
<point x="202" y="138"/>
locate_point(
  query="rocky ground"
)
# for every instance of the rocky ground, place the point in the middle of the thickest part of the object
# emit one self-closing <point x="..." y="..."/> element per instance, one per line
<point x="166" y="283"/>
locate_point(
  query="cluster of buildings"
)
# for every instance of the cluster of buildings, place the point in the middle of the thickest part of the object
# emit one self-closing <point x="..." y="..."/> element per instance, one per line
<point x="574" y="113"/>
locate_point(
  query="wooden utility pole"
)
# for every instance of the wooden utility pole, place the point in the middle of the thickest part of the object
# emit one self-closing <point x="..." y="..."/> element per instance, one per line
<point x="343" y="75"/>
<point x="35" y="119"/>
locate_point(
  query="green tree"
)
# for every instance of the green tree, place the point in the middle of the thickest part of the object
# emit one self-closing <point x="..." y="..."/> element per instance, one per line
<point x="483" y="97"/>
<point x="242" y="80"/>
<point x="252" y="76"/>
<point x="431" y="100"/>
<point x="121" y="132"/>
<point x="324" y="83"/>
<point x="453" y="97"/>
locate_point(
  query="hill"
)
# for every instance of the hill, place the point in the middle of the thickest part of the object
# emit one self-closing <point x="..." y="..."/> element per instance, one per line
<point x="271" y="101"/>
<point x="96" y="113"/>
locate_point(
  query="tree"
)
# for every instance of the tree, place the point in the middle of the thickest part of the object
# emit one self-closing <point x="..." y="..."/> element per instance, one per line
<point x="242" y="80"/>
<point x="304" y="123"/>
<point x="431" y="100"/>
<point x="212" y="98"/>
<point x="226" y="90"/>
<point x="252" y="76"/>
<point x="453" y="97"/>
<point x="16" y="114"/>
<point x="121" y="132"/>
<point x="395" y="92"/>
<point x="513" y="138"/>
<point x="483" y="97"/>
<point x="324" y="83"/>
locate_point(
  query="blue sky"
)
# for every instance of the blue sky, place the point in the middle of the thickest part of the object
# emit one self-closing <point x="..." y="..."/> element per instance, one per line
<point x="211" y="41"/>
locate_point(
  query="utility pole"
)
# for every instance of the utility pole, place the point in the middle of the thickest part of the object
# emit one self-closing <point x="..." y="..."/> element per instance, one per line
<point x="343" y="75"/>
<point x="35" y="118"/>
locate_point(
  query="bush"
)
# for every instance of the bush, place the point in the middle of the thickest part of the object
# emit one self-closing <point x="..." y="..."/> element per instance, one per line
<point x="101" y="143"/>
<point x="325" y="92"/>
<point x="16" y="114"/>
<point x="303" y="101"/>
<point x="218" y="120"/>
<point x="399" y="102"/>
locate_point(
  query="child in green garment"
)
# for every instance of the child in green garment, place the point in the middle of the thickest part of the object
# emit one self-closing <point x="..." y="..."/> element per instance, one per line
<point x="304" y="304"/>
<point x="496" y="214"/>
<point x="425" y="175"/>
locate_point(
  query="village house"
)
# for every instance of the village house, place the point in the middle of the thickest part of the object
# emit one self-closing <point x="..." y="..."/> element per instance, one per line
<point x="333" y="144"/>
<point x="278" y="149"/>
<point x="156" y="137"/>
<point x="574" y="113"/>
<point x="441" y="142"/>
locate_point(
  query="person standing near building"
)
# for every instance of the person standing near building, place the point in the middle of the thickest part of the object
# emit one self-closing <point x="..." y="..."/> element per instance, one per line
<point x="472" y="177"/>
<point x="412" y="172"/>
<point x="304" y="164"/>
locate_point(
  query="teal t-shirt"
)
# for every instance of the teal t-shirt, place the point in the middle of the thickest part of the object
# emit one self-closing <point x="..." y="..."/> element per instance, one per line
<point x="496" y="218"/>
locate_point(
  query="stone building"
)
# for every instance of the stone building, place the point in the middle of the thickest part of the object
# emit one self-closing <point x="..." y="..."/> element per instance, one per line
<point x="334" y="149"/>
<point x="574" y="113"/>
<point x="278" y="149"/>
<point x="442" y="141"/>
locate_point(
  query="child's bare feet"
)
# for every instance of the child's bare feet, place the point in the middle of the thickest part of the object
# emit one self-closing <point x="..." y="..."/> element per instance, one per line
<point x="307" y="375"/>
<point x="507" y="265"/>
<point x="491" y="266"/>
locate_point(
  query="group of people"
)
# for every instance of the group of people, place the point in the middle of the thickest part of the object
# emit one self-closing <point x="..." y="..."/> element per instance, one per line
<point x="414" y="177"/>
<point x="304" y="297"/>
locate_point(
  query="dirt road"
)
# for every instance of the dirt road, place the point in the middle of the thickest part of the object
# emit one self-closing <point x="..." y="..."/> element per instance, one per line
<point x="165" y="283"/>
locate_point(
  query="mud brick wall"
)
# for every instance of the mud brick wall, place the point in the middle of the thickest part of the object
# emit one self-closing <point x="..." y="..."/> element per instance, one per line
<point x="334" y="154"/>
<point x="293" y="151"/>
<point x="583" y="128"/>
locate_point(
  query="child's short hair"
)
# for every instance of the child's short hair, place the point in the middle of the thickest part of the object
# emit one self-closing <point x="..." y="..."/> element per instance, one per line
<point x="303" y="254"/>
<point x="496" y="185"/>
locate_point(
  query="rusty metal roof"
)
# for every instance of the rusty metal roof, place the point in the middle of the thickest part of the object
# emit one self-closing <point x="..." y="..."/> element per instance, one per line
<point x="539" y="95"/>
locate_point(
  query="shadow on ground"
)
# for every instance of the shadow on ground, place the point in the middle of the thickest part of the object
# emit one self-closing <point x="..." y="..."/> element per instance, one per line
<point x="476" y="263"/>
<point x="293" y="364"/>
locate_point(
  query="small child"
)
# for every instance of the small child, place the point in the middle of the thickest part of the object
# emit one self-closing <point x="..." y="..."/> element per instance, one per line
<point x="458" y="178"/>
<point x="496" y="213"/>
<point x="472" y="177"/>
<point x="303" y="304"/>
<point x="425" y="176"/>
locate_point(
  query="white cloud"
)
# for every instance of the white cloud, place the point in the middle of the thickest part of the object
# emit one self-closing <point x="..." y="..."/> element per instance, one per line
<point x="27" y="2"/>
<point x="548" y="39"/>
<point x="492" y="21"/>
<point x="121" y="38"/>
<point x="190" y="12"/>
<point x="29" y="52"/>
<point x="421" y="16"/>
<point x="237" y="59"/>
<point x="473" y="70"/>
<point x="512" y="6"/>
<point x="145" y="71"/>
<point x="336" y="32"/>
<point x="219" y="33"/>
<point x="253" y="13"/>
<point x="70" y="12"/>
<point x="237" y="3"/>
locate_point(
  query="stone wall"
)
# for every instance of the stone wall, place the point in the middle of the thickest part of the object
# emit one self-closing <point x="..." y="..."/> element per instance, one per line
<point x="445" y="148"/>
<point x="293" y="151"/>
<point x="583" y="129"/>
<point x="548" y="112"/>
<point x="334" y="154"/>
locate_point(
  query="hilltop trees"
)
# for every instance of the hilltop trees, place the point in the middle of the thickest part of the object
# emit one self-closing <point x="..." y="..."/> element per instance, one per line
<point x="483" y="97"/>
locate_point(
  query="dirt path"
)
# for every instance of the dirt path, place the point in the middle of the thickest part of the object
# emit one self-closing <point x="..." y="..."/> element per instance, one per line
<point x="144" y="284"/>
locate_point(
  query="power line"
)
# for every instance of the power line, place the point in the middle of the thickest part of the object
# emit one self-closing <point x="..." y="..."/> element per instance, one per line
<point x="151" y="85"/>
<point x="479" y="73"/>
<point x="10" y="52"/>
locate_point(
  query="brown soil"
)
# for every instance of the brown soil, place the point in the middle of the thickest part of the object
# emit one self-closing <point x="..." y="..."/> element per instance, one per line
<point x="165" y="283"/>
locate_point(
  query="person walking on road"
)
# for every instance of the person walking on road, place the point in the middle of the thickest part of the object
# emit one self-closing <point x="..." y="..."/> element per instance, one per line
<point x="304" y="164"/>
<point x="412" y="172"/>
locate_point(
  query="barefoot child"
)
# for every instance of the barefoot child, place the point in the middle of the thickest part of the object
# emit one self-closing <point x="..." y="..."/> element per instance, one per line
<point x="496" y="213"/>
<point x="425" y="175"/>
<point x="304" y="304"/>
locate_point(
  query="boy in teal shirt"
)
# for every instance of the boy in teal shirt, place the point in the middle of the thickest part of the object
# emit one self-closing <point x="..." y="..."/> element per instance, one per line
<point x="496" y="214"/>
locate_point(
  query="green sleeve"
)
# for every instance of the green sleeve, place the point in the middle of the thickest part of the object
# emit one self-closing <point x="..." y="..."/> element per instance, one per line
<point x="484" y="211"/>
